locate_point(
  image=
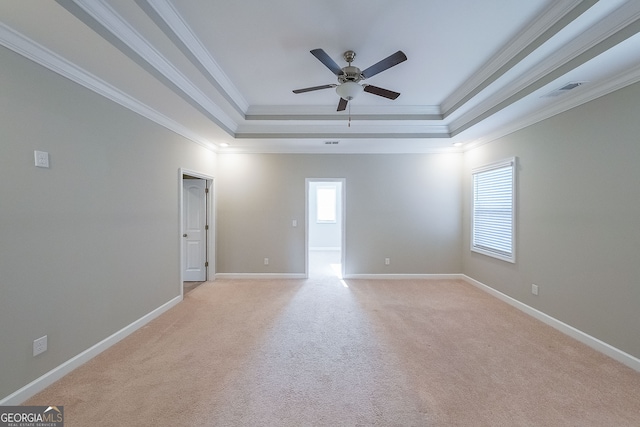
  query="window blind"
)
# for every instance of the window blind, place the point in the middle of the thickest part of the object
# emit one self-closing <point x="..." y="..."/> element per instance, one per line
<point x="493" y="210"/>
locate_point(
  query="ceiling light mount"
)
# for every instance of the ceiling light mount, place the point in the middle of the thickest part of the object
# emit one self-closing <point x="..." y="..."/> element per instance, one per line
<point x="349" y="56"/>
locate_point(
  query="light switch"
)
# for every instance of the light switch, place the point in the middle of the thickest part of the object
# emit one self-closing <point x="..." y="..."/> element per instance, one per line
<point x="294" y="223"/>
<point x="42" y="159"/>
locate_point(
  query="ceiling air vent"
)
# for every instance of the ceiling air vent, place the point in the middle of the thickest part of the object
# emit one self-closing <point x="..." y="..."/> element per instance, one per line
<point x="564" y="89"/>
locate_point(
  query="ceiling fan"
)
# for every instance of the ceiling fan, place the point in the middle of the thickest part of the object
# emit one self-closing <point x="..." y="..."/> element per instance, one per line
<point x="350" y="76"/>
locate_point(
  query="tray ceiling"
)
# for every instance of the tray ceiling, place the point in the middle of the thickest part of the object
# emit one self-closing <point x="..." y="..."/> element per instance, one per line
<point x="223" y="72"/>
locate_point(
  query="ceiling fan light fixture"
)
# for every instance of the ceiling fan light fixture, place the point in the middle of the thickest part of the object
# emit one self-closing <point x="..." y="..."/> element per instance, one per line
<point x="349" y="90"/>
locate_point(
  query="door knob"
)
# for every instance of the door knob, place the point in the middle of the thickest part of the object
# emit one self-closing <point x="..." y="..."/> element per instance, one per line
<point x="184" y="235"/>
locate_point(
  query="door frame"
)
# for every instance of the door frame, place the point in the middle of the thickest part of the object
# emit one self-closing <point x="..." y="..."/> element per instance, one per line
<point x="210" y="234"/>
<point x="343" y="228"/>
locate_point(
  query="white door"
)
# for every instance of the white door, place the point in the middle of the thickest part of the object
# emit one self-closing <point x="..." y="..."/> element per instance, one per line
<point x="194" y="239"/>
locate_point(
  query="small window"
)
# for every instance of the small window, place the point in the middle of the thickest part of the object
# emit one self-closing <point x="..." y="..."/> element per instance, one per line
<point x="326" y="204"/>
<point x="493" y="210"/>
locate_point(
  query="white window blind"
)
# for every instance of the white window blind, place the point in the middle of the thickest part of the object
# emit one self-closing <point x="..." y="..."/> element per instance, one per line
<point x="493" y="210"/>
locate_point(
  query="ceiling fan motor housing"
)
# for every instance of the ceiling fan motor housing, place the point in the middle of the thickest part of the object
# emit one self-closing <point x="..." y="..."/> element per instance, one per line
<point x="350" y="74"/>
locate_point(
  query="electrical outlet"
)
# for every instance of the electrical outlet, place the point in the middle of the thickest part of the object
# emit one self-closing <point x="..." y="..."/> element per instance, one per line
<point x="266" y="261"/>
<point x="387" y="261"/>
<point x="534" y="289"/>
<point x="40" y="345"/>
<point x="41" y="158"/>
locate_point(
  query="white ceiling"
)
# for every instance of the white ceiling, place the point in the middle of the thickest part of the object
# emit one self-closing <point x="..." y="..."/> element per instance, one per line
<point x="220" y="72"/>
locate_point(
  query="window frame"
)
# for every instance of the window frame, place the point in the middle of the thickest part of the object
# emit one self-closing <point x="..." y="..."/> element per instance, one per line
<point x="486" y="250"/>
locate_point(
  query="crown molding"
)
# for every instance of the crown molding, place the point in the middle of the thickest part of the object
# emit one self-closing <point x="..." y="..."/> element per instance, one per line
<point x="613" y="29"/>
<point x="290" y="134"/>
<point x="358" y="112"/>
<point x="586" y="45"/>
<point x="98" y="12"/>
<point x="567" y="102"/>
<point x="415" y="148"/>
<point x="551" y="21"/>
<point x="343" y="129"/>
<point x="39" y="54"/>
<point x="167" y="18"/>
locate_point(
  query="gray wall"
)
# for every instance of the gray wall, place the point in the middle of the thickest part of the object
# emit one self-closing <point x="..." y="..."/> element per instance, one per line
<point x="404" y="207"/>
<point x="578" y="220"/>
<point x="91" y="244"/>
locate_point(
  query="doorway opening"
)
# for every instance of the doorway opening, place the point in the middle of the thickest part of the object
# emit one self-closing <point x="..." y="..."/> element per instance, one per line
<point x="196" y="212"/>
<point x="325" y="227"/>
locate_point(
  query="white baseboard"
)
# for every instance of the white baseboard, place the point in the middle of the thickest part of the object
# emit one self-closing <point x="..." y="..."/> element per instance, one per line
<point x="601" y="346"/>
<point x="404" y="276"/>
<point x="39" y="384"/>
<point x="260" y="276"/>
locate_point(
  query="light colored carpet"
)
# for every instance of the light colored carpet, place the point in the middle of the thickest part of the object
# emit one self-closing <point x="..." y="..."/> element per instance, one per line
<point x="319" y="353"/>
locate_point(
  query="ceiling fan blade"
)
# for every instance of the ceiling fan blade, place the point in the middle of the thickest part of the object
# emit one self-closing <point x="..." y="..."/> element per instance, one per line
<point x="385" y="64"/>
<point x="381" y="92"/>
<point x="309" y="89"/>
<point x="342" y="105"/>
<point x="327" y="61"/>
